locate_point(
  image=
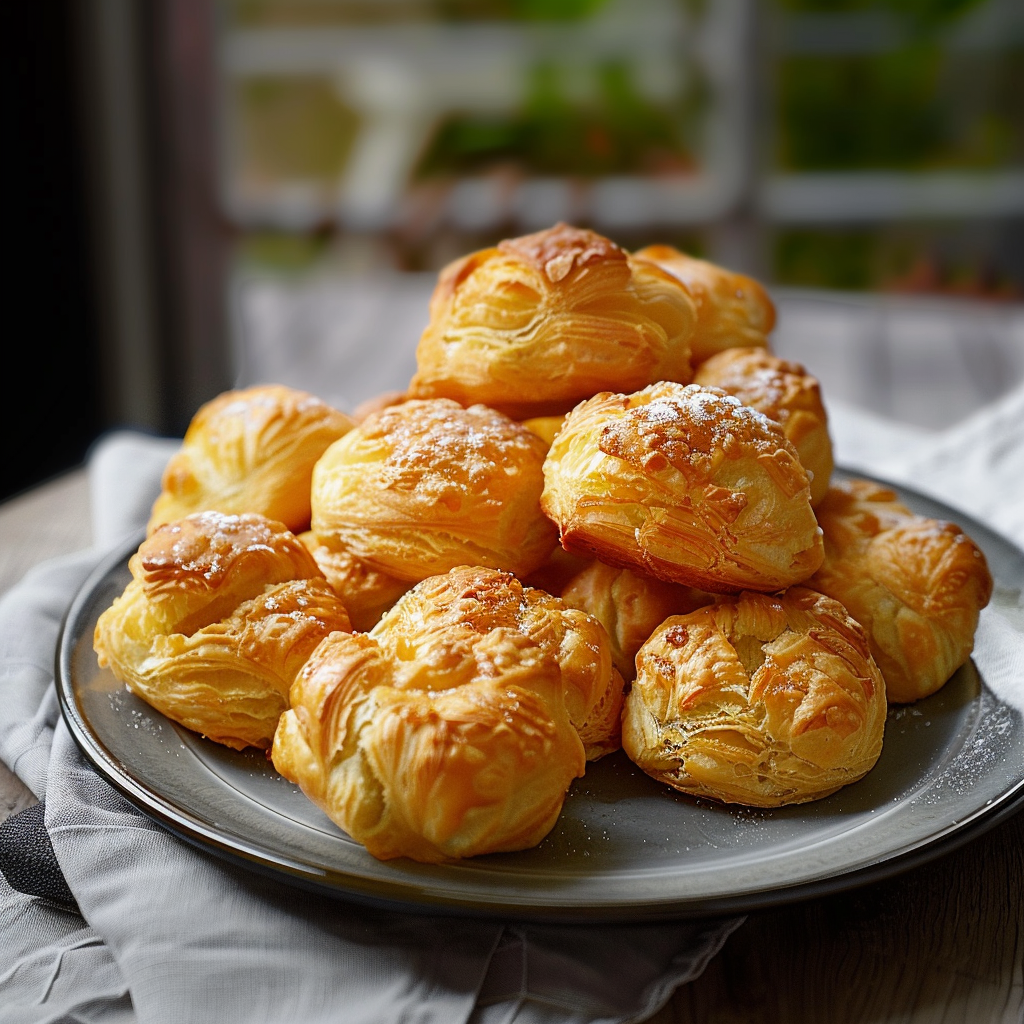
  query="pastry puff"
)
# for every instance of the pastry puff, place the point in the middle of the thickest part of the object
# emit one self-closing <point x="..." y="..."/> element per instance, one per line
<point x="917" y="585"/>
<point x="251" y="450"/>
<point x="220" y="614"/>
<point x="365" y="592"/>
<point x="759" y="700"/>
<point x="540" y="322"/>
<point x="629" y="606"/>
<point x="447" y="731"/>
<point x="732" y="309"/>
<point x="785" y="392"/>
<point x="434" y="626"/>
<point x="423" y="486"/>
<point x="686" y="484"/>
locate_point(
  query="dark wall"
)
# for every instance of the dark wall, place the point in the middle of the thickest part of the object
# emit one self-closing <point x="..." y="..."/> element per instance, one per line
<point x="51" y="413"/>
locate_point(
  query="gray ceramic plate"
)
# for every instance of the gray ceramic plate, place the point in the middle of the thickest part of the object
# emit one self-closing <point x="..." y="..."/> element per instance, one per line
<point x="625" y="847"/>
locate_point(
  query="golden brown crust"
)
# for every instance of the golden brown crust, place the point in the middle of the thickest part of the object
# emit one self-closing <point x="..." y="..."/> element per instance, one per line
<point x="443" y="733"/>
<point x="685" y="484"/>
<point x="538" y="323"/>
<point x="917" y="585"/>
<point x="420" y="487"/>
<point x="732" y="309"/>
<point x="786" y="393"/>
<point x="365" y="592"/>
<point x="758" y="700"/>
<point x="545" y="427"/>
<point x="436" y="625"/>
<point x="250" y="450"/>
<point x="376" y="403"/>
<point x="220" y="614"/>
<point x="629" y="606"/>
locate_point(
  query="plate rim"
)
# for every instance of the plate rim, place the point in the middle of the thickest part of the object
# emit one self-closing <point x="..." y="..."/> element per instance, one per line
<point x="413" y="897"/>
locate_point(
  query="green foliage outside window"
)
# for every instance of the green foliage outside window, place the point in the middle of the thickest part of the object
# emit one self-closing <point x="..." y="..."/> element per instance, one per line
<point x="619" y="132"/>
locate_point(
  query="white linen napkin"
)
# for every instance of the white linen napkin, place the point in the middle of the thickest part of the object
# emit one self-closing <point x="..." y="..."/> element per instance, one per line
<point x="164" y="932"/>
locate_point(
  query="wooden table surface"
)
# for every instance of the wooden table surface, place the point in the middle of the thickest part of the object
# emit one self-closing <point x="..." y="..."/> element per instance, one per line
<point x="943" y="942"/>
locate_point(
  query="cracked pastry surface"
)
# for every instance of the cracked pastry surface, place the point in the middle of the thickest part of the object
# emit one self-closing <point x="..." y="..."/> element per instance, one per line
<point x="538" y="323"/>
<point x="732" y="309"/>
<point x="220" y="614"/>
<point x="420" y="487"/>
<point x="250" y="450"/>
<point x="786" y="393"/>
<point x="762" y="700"/>
<point x="455" y="727"/>
<point x="686" y="484"/>
<point x="916" y="584"/>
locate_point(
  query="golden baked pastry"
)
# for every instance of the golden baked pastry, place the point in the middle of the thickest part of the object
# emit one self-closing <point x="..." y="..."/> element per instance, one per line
<point x="365" y="592"/>
<point x="423" y="486"/>
<point x="629" y="606"/>
<point x="220" y="615"/>
<point x="537" y="323"/>
<point x="916" y="585"/>
<point x="376" y="403"/>
<point x="732" y="309"/>
<point x="250" y="450"/>
<point x="447" y="731"/>
<point x="430" y="629"/>
<point x="545" y="427"/>
<point x="686" y="484"/>
<point x="759" y="700"/>
<point x="785" y="392"/>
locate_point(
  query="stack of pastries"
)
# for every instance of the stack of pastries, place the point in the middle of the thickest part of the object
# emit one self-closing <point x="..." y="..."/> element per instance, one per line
<point x="601" y="516"/>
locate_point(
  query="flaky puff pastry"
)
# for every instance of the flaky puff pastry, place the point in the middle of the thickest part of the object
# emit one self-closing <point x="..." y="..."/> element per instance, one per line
<point x="444" y="733"/>
<point x="916" y="584"/>
<point x="686" y="484"/>
<point x="732" y="309"/>
<point x="629" y="606"/>
<point x="220" y="615"/>
<point x="250" y="450"/>
<point x="545" y="427"/>
<point x="423" y="486"/>
<point x="435" y="626"/>
<point x="366" y="593"/>
<point x="759" y="700"/>
<point x="785" y="392"/>
<point x="540" y="322"/>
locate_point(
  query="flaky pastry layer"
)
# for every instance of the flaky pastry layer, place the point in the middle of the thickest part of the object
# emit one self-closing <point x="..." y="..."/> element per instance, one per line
<point x="759" y="700"/>
<point x="785" y="392"/>
<point x="537" y="323"/>
<point x="420" y="487"/>
<point x="366" y="593"/>
<point x="220" y="615"/>
<point x="686" y="484"/>
<point x="732" y="309"/>
<point x="454" y="727"/>
<point x="629" y="606"/>
<point x="250" y="450"/>
<point x="916" y="584"/>
<point x="437" y="624"/>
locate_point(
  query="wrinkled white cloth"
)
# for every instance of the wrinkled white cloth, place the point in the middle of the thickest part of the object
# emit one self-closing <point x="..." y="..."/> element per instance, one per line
<point x="169" y="933"/>
<point x="976" y="466"/>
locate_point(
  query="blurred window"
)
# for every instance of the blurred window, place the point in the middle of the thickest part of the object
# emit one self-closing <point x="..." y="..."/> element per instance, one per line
<point x="828" y="143"/>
